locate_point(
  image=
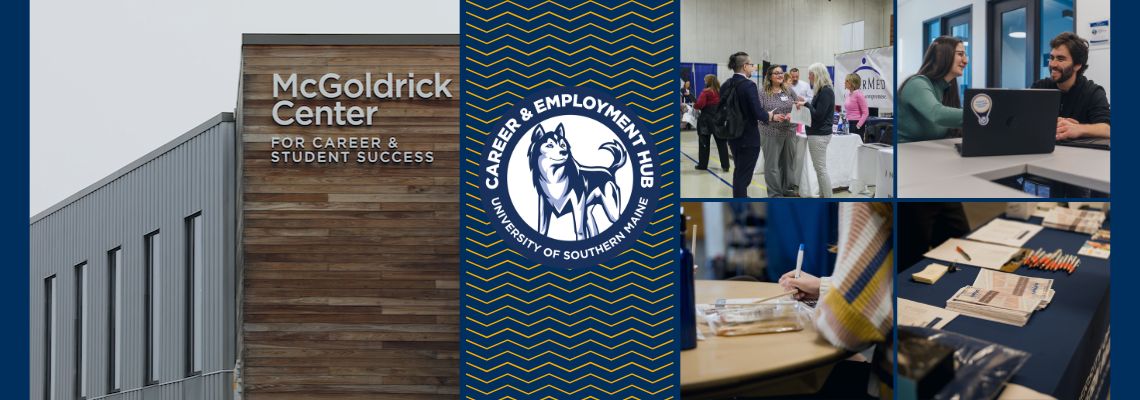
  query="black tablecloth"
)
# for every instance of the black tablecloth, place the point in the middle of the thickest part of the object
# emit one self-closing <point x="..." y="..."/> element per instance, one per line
<point x="1063" y="338"/>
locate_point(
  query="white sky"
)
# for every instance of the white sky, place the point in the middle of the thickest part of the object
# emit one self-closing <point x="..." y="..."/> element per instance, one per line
<point x="112" y="80"/>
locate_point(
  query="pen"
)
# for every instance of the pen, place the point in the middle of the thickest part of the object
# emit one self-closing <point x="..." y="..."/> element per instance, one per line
<point x="1022" y="234"/>
<point x="963" y="253"/>
<point x="799" y="260"/>
<point x="788" y="293"/>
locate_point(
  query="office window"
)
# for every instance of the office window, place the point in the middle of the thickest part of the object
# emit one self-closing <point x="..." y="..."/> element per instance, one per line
<point x="957" y="24"/>
<point x="153" y="304"/>
<point x="1056" y="16"/>
<point x="49" y="338"/>
<point x="194" y="296"/>
<point x="114" y="321"/>
<point x="81" y="330"/>
<point x="932" y="29"/>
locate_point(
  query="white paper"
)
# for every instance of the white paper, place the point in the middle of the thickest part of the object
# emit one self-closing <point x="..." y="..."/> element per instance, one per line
<point x="801" y="116"/>
<point x="913" y="313"/>
<point x="984" y="255"/>
<point x="1006" y="232"/>
<point x="1018" y="392"/>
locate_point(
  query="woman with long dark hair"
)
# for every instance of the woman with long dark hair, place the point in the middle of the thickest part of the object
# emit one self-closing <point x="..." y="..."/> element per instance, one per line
<point x="928" y="103"/>
<point x="707" y="104"/>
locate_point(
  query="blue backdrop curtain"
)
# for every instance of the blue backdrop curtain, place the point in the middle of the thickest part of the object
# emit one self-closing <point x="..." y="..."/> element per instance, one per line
<point x="699" y="72"/>
<point x="813" y="224"/>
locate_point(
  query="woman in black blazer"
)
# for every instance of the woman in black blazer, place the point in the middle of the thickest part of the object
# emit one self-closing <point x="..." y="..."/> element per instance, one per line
<point x="822" y="108"/>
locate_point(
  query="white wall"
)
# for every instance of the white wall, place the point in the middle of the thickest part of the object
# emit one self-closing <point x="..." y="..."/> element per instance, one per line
<point x="1090" y="11"/>
<point x="912" y="13"/>
<point x="792" y="32"/>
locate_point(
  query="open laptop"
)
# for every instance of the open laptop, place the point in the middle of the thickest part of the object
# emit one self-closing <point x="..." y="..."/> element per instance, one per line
<point x="1001" y="122"/>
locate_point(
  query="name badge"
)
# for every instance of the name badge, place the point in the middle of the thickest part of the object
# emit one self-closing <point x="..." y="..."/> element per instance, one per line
<point x="783" y="97"/>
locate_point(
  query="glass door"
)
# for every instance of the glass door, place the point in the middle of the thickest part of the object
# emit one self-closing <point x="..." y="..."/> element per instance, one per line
<point x="1012" y="23"/>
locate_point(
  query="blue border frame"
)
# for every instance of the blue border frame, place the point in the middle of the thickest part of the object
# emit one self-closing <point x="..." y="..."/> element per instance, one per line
<point x="14" y="292"/>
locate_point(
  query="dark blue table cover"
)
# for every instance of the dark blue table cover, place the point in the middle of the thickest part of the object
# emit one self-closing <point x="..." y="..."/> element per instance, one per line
<point x="1062" y="339"/>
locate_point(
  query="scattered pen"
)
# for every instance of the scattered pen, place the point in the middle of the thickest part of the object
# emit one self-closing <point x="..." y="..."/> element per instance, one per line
<point x="963" y="253"/>
<point x="1022" y="234"/>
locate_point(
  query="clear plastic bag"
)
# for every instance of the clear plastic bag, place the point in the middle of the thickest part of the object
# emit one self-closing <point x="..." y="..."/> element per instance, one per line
<point x="981" y="368"/>
<point x="752" y="319"/>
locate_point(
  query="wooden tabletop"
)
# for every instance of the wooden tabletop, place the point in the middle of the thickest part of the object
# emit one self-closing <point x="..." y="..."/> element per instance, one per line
<point x="720" y="361"/>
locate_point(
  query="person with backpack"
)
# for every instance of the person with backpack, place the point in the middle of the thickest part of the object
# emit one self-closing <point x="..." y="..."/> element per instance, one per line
<point x="738" y="118"/>
<point x="707" y="103"/>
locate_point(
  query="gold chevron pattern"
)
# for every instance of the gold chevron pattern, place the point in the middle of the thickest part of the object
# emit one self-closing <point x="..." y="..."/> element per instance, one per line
<point x="601" y="331"/>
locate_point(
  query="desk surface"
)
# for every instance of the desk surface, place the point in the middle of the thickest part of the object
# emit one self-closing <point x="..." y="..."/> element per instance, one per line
<point x="726" y="361"/>
<point x="934" y="169"/>
<point x="1058" y="337"/>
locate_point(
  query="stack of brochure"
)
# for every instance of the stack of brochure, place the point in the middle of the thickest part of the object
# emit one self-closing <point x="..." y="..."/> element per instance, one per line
<point x="1074" y="220"/>
<point x="1001" y="297"/>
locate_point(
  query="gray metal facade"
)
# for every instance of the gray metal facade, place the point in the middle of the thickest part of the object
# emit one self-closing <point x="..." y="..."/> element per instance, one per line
<point x="194" y="173"/>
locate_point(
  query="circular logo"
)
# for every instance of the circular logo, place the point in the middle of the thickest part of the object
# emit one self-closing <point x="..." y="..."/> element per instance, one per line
<point x="981" y="103"/>
<point x="568" y="177"/>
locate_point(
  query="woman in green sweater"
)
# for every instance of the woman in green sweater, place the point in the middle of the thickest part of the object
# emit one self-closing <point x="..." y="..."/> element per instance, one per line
<point x="928" y="101"/>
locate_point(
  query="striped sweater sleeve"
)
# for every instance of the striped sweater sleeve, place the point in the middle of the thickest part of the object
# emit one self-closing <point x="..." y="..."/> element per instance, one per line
<point x="858" y="310"/>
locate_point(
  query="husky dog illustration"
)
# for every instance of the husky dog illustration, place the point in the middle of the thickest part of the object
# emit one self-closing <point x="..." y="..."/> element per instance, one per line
<point x="564" y="185"/>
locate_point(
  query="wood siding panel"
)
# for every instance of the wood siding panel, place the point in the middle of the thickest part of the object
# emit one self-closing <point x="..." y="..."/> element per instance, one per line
<point x="351" y="271"/>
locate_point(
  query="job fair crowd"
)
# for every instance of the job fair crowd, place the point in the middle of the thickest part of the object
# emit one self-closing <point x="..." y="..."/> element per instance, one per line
<point x="749" y="121"/>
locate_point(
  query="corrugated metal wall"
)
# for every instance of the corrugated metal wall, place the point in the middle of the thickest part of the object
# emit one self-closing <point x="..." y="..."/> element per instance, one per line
<point x="194" y="173"/>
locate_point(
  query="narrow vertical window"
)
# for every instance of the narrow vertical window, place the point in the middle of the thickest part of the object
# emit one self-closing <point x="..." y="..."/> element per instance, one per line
<point x="153" y="305"/>
<point x="49" y="338"/>
<point x="81" y="331"/>
<point x="114" y="321"/>
<point x="194" y="298"/>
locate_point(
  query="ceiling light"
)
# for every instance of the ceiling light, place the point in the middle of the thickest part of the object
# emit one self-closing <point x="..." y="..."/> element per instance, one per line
<point x="1017" y="35"/>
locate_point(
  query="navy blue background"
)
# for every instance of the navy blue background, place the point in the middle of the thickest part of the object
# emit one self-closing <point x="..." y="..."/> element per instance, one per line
<point x="14" y="286"/>
<point x="1124" y="196"/>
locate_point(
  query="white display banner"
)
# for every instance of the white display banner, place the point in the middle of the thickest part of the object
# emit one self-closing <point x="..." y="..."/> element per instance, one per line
<point x="876" y="68"/>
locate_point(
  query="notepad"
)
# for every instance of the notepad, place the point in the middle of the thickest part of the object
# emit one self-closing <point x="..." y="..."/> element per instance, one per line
<point x="1006" y="232"/>
<point x="984" y="255"/>
<point x="932" y="273"/>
